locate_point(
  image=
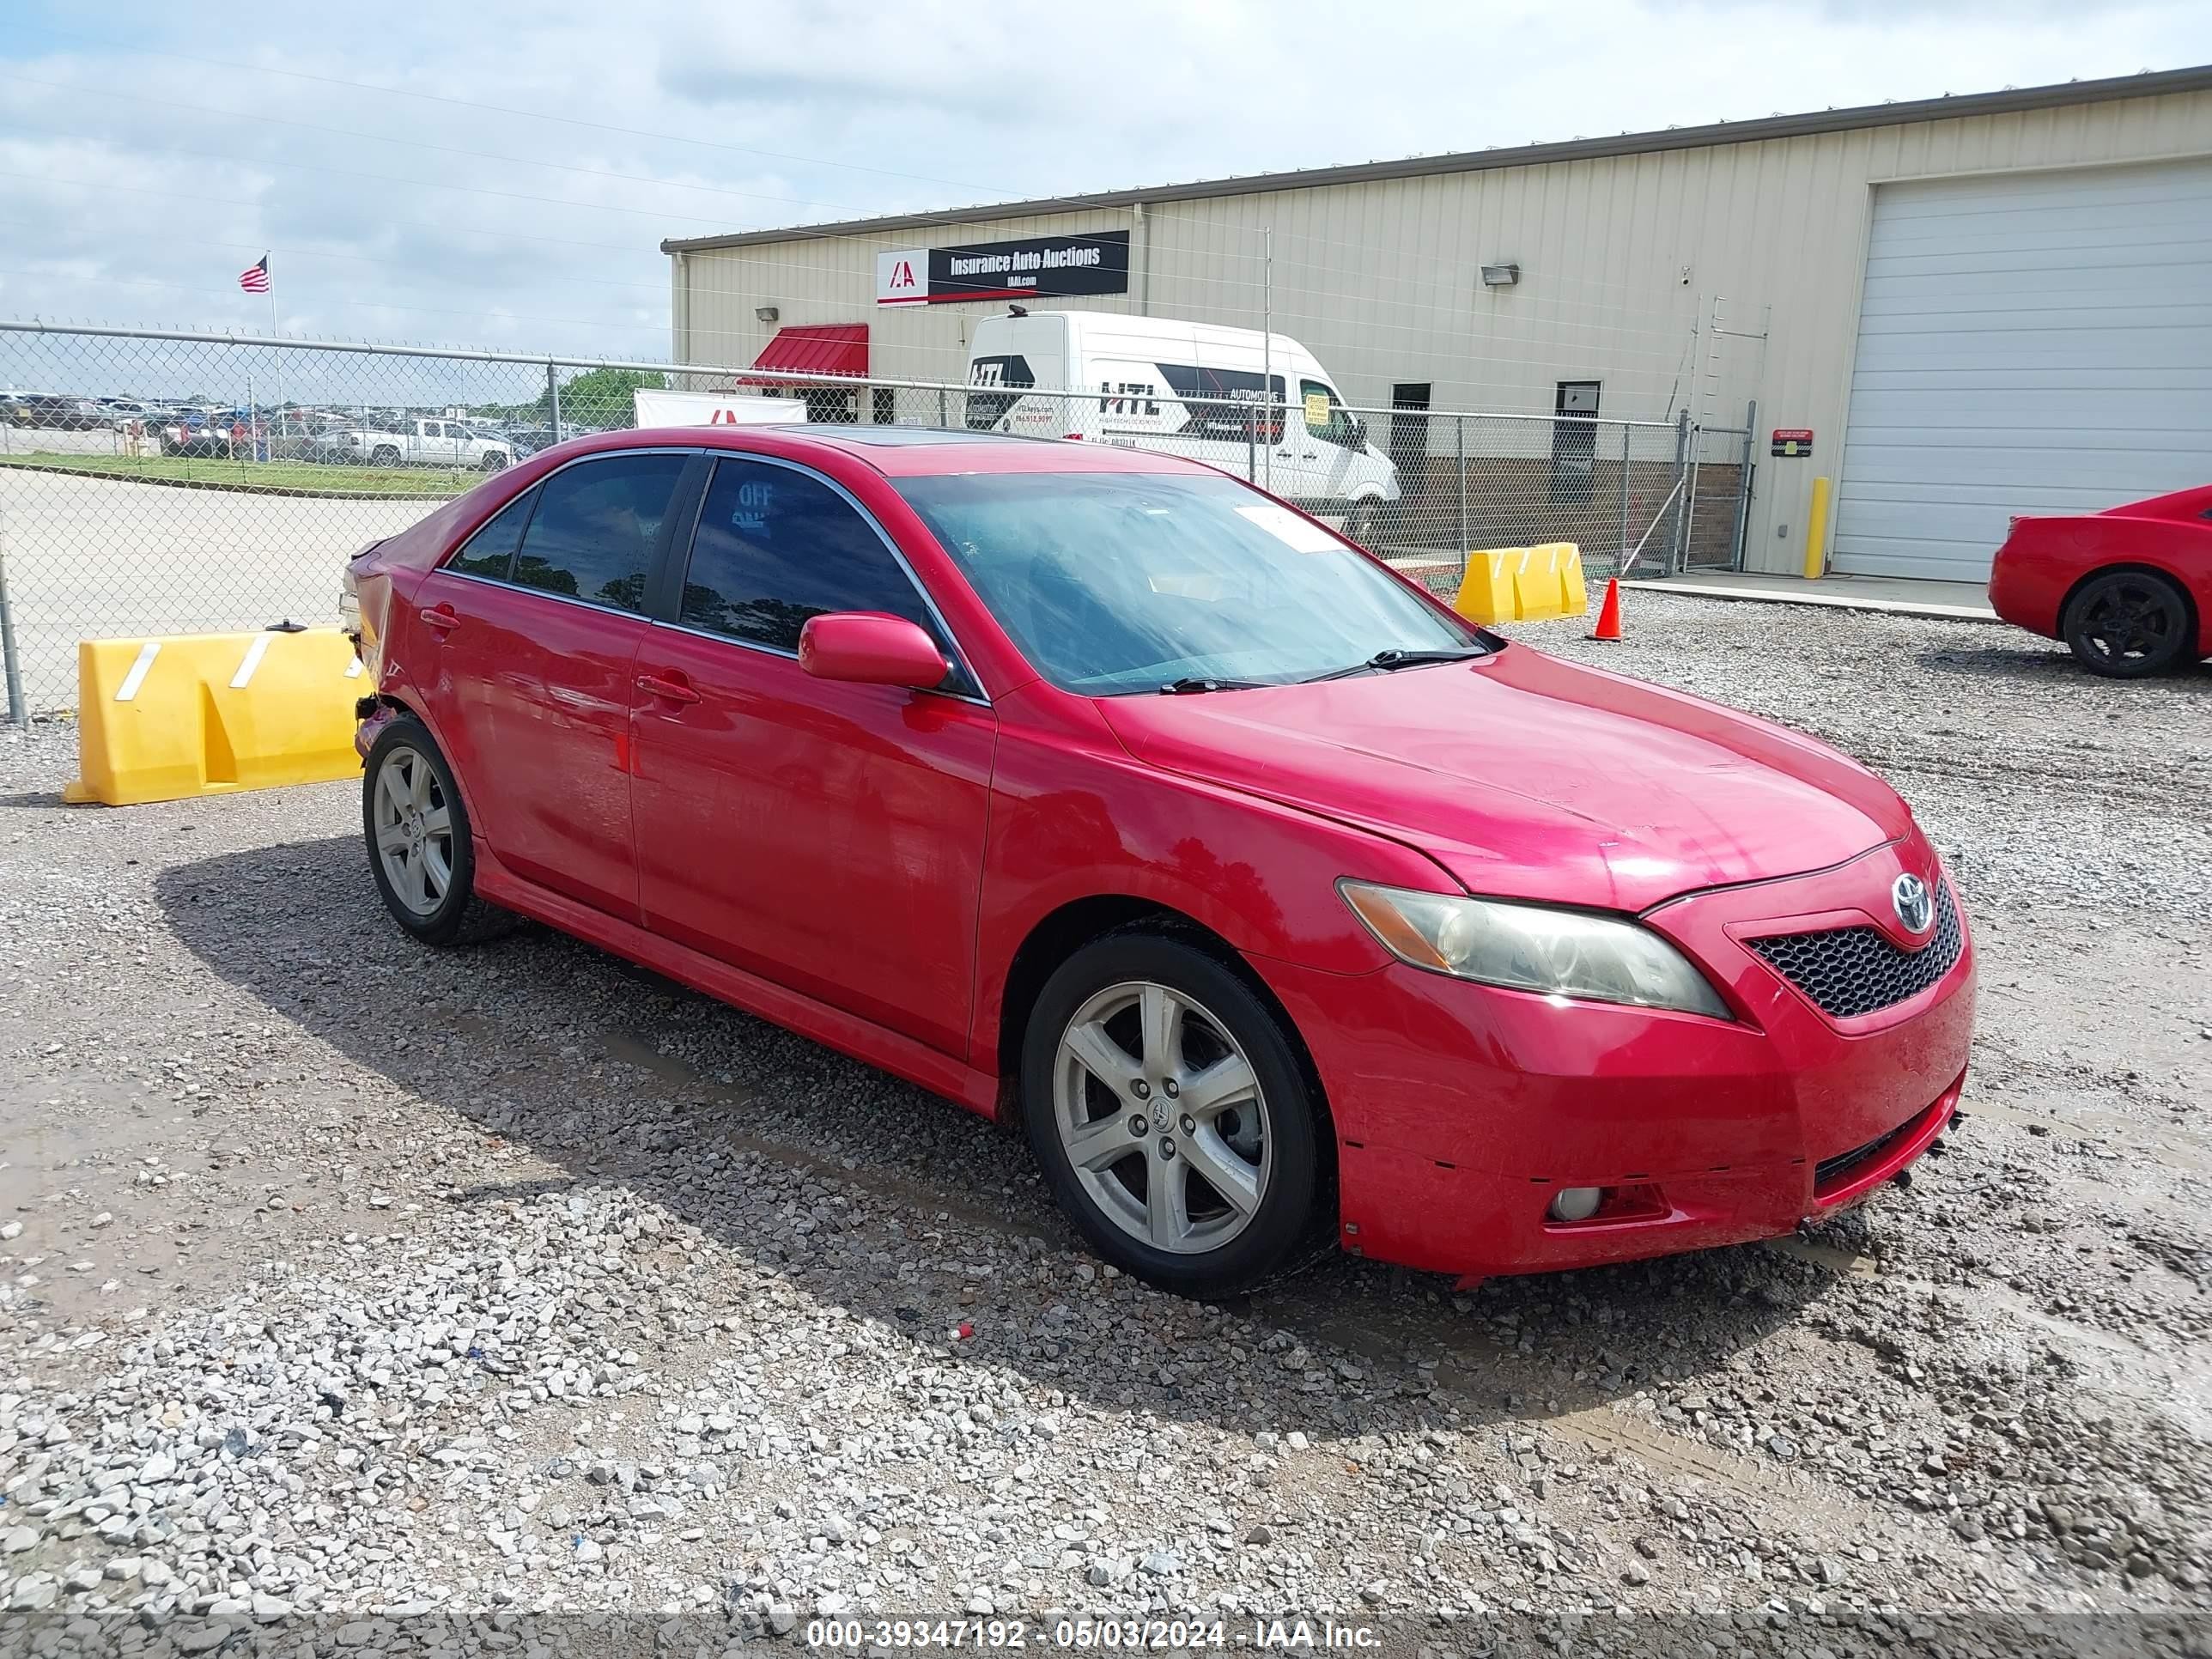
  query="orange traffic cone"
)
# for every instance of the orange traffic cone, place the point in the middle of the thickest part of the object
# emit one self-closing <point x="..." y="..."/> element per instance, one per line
<point x="1608" y="614"/>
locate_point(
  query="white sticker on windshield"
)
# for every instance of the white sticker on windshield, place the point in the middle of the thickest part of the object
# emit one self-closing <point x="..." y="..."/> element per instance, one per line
<point x="1300" y="535"/>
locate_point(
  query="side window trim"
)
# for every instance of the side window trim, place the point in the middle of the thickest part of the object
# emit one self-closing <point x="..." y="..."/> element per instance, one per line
<point x="671" y="553"/>
<point x="970" y="689"/>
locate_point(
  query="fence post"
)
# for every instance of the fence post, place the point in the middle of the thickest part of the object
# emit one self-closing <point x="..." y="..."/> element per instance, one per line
<point x="1743" y="484"/>
<point x="941" y="420"/>
<point x="1626" y="432"/>
<point x="19" y="712"/>
<point x="1678" y="531"/>
<point x="553" y="397"/>
<point x="1459" y="425"/>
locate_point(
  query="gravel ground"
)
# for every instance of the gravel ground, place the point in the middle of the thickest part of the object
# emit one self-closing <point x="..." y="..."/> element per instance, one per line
<point x="373" y="1297"/>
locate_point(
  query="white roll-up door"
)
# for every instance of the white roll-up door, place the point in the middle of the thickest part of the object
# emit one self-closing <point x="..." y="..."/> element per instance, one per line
<point x="2030" y="342"/>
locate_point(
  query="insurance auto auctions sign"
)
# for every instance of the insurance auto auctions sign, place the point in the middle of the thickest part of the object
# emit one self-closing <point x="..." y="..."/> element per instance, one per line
<point x="1036" y="267"/>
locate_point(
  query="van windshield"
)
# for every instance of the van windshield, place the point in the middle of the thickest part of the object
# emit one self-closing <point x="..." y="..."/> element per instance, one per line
<point x="1118" y="583"/>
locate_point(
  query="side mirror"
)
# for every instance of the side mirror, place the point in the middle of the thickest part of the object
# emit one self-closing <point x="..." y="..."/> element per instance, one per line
<point x="869" y="647"/>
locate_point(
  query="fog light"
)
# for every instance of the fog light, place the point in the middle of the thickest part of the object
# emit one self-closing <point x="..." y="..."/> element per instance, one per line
<point x="1575" y="1203"/>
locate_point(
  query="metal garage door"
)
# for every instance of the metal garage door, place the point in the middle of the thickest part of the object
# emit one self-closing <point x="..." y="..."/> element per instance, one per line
<point x="2036" y="344"/>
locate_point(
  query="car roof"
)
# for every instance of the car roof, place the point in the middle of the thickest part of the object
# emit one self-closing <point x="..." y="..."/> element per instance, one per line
<point x="918" y="452"/>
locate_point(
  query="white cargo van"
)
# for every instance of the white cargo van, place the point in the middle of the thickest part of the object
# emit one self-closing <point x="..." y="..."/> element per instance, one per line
<point x="1188" y="389"/>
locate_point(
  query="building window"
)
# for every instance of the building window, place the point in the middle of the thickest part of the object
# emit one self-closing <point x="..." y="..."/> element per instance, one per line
<point x="1409" y="430"/>
<point x="1574" y="440"/>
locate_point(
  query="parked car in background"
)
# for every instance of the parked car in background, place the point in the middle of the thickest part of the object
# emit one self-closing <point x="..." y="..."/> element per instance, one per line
<point x="335" y="438"/>
<point x="203" y="433"/>
<point x="418" y="442"/>
<point x="1091" y="787"/>
<point x="54" y="412"/>
<point x="529" y="439"/>
<point x="2128" y="589"/>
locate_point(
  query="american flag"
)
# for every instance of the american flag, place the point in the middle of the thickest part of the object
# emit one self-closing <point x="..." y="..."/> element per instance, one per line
<point x="254" y="279"/>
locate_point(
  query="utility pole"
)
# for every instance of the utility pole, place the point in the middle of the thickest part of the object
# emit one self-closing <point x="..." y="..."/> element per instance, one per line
<point x="1267" y="354"/>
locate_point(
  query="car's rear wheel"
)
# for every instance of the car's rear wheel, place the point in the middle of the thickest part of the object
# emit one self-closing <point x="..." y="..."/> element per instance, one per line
<point x="493" y="461"/>
<point x="2128" y="625"/>
<point x="419" y="846"/>
<point x="1171" y="1117"/>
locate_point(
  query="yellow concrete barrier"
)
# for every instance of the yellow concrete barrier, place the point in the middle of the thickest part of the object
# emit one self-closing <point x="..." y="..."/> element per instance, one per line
<point x="1523" y="584"/>
<point x="213" y="714"/>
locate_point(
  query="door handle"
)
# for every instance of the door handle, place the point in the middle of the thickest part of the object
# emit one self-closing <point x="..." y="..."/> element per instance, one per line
<point x="675" y="690"/>
<point x="440" y="620"/>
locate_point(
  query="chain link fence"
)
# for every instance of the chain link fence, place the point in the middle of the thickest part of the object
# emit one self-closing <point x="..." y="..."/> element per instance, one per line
<point x="164" y="483"/>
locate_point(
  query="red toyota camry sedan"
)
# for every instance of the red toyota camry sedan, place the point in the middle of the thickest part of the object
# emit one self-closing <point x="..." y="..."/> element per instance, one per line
<point x="1101" y="790"/>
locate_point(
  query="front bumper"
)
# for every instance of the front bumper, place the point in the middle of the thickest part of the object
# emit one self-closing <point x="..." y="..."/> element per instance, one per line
<point x="1460" y="1109"/>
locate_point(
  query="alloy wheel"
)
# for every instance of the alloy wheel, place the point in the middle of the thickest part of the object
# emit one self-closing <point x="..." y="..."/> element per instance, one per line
<point x="1162" y="1118"/>
<point x="2128" y="620"/>
<point x="414" y="830"/>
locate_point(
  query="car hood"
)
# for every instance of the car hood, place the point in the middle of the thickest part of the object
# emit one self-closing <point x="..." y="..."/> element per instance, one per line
<point x="1527" y="777"/>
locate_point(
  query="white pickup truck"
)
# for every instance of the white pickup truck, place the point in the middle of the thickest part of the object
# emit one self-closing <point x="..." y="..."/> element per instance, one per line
<point x="416" y="443"/>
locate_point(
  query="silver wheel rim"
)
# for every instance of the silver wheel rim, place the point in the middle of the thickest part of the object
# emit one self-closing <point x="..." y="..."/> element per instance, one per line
<point x="1162" y="1118"/>
<point x="414" y="830"/>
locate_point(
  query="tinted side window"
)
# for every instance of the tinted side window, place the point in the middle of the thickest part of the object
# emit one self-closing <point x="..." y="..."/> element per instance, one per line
<point x="774" y="547"/>
<point x="592" y="536"/>
<point x="490" y="551"/>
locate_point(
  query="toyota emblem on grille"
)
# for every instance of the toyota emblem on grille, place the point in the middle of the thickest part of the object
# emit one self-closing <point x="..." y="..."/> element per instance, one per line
<point x="1915" y="908"/>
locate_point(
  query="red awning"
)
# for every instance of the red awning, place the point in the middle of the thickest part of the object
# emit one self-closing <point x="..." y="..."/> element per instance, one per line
<point x="818" y="349"/>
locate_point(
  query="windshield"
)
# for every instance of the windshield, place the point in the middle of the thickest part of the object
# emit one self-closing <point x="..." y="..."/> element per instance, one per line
<point x="1120" y="582"/>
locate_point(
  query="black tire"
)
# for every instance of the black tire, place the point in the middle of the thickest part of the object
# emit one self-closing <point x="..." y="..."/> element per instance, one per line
<point x="1291" y="1185"/>
<point x="493" y="462"/>
<point x="457" y="917"/>
<point x="1363" y="522"/>
<point x="2130" y="625"/>
<point x="384" y="455"/>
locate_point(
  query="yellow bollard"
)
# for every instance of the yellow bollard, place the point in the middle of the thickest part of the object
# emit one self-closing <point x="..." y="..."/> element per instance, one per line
<point x="1816" y="532"/>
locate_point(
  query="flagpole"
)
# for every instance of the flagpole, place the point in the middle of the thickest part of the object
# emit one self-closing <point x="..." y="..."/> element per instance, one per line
<point x="279" y="378"/>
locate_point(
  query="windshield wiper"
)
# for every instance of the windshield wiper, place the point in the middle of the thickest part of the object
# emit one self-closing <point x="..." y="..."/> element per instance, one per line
<point x="1193" y="683"/>
<point x="1390" y="658"/>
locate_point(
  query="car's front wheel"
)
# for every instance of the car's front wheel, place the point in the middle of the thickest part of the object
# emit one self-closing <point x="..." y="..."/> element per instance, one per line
<point x="1363" y="522"/>
<point x="493" y="461"/>
<point x="2128" y="625"/>
<point x="1168" y="1110"/>
<point x="419" y="845"/>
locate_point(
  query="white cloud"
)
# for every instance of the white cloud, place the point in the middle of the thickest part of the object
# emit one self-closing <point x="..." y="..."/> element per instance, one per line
<point x="122" y="199"/>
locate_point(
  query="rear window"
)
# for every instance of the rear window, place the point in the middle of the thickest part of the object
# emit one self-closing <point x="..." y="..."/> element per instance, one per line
<point x="986" y="408"/>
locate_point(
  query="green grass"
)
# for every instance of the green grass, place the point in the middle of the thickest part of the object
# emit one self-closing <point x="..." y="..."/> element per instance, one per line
<point x="260" y="475"/>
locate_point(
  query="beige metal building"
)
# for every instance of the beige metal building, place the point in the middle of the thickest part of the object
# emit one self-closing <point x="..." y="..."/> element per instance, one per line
<point x="1975" y="305"/>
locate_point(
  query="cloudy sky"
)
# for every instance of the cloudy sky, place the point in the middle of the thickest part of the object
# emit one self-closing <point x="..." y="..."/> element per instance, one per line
<point x="497" y="174"/>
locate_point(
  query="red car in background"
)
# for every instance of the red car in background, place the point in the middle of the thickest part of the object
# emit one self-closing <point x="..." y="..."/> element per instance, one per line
<point x="2128" y="589"/>
<point x="1096" y="790"/>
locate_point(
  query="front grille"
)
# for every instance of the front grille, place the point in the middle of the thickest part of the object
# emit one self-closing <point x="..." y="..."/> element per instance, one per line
<point x="1850" y="972"/>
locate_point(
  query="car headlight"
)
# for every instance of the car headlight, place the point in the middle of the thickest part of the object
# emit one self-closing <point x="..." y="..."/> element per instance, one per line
<point x="1534" y="947"/>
